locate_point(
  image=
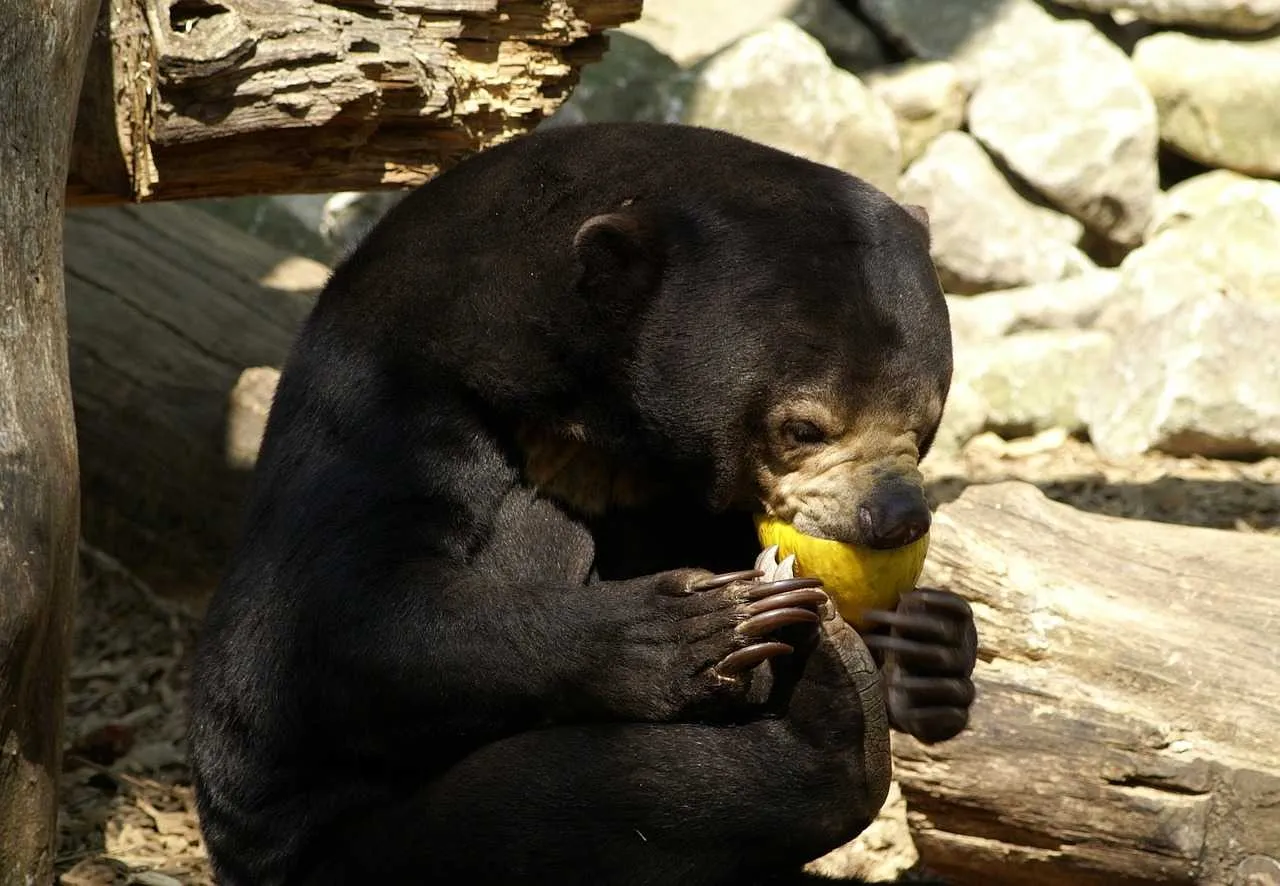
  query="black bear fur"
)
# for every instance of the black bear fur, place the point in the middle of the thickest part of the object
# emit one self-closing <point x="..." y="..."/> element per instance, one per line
<point x="423" y="667"/>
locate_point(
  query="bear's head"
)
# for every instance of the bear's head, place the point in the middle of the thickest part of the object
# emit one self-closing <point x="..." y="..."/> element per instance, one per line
<point x="781" y="344"/>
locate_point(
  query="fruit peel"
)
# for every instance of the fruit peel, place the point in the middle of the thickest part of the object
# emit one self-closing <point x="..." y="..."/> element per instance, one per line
<point x="857" y="578"/>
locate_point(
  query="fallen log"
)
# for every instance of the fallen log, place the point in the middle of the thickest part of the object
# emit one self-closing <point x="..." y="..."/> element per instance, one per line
<point x="167" y="308"/>
<point x="212" y="98"/>
<point x="1127" y="728"/>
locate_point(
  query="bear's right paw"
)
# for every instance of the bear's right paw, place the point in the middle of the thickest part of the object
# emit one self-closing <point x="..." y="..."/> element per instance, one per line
<point x="766" y="602"/>
<point x="697" y="637"/>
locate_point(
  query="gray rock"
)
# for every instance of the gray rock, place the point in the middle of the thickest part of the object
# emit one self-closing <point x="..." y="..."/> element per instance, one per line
<point x="979" y="37"/>
<point x="348" y="216"/>
<point x="690" y="32"/>
<point x="248" y="406"/>
<point x="1229" y="249"/>
<point x="849" y="42"/>
<point x="1074" y="303"/>
<point x="777" y="86"/>
<point x="1216" y="99"/>
<point x="323" y="227"/>
<point x="634" y="81"/>
<point x="985" y="236"/>
<point x="1243" y="16"/>
<point x="964" y="417"/>
<point x="1079" y="127"/>
<point x="1032" y="381"/>
<point x="927" y="99"/>
<point x="1200" y="380"/>
<point x="273" y="220"/>
<point x="1199" y="194"/>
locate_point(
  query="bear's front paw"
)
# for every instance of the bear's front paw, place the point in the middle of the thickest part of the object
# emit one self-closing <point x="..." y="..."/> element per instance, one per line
<point x="699" y="637"/>
<point x="929" y="655"/>
<point x="753" y="608"/>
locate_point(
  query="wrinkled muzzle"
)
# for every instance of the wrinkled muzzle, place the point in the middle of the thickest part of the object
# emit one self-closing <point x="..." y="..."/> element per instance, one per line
<point x="879" y="504"/>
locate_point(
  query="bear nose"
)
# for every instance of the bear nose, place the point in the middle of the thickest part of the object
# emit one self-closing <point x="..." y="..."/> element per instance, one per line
<point x="893" y="517"/>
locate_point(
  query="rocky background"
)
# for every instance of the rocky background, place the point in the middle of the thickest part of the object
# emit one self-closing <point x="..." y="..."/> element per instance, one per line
<point x="1096" y="173"/>
<point x="1099" y="178"/>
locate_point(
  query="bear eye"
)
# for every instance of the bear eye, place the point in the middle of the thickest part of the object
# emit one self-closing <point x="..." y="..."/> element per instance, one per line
<point x="799" y="432"/>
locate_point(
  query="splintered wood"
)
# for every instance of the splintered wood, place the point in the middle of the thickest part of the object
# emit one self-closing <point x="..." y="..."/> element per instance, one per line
<point x="208" y="98"/>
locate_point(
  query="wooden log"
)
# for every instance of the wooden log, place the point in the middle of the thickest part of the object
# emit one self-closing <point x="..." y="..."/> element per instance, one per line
<point x="211" y="98"/>
<point x="43" y="47"/>
<point x="1127" y="728"/>
<point x="168" y="306"/>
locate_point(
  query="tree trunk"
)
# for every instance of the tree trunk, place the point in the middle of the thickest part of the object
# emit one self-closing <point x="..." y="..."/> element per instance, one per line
<point x="211" y="98"/>
<point x="167" y="307"/>
<point x="1129" y="701"/>
<point x="43" y="46"/>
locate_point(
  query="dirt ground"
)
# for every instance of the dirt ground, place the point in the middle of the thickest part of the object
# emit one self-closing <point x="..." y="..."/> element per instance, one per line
<point x="128" y="812"/>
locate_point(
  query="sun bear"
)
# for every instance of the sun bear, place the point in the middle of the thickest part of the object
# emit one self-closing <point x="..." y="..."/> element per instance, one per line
<point x="499" y="614"/>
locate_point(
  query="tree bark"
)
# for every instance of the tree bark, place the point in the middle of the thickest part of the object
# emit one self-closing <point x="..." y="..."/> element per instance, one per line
<point x="210" y="98"/>
<point x="43" y="46"/>
<point x="168" y="306"/>
<point x="1128" y="701"/>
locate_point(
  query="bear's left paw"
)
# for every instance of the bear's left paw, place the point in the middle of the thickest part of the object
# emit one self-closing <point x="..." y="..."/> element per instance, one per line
<point x="929" y="656"/>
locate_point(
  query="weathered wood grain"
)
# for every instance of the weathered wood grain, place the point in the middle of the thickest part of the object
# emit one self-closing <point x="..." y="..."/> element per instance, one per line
<point x="42" y="57"/>
<point x="1127" y="729"/>
<point x="208" y="98"/>
<point x="167" y="306"/>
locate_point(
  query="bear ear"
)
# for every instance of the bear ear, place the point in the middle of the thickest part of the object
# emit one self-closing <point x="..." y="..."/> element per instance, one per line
<point x="615" y="243"/>
<point x="920" y="214"/>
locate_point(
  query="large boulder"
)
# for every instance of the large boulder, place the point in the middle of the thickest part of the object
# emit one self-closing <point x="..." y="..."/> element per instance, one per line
<point x="1200" y="380"/>
<point x="633" y="81"/>
<point x="848" y="40"/>
<point x="779" y="87"/>
<point x="690" y="32"/>
<point x="927" y="99"/>
<point x="1236" y="15"/>
<point x="980" y="37"/>
<point x="963" y="418"/>
<point x="1193" y="197"/>
<point x="1196" y="368"/>
<point x="1079" y="127"/>
<point x="1229" y="249"/>
<point x="985" y="236"/>
<point x="1216" y="99"/>
<point x="1032" y="381"/>
<point x="1073" y="303"/>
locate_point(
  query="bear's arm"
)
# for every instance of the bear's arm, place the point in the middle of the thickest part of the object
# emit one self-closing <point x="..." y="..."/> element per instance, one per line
<point x="398" y="552"/>
<point x="511" y="638"/>
<point x="488" y="654"/>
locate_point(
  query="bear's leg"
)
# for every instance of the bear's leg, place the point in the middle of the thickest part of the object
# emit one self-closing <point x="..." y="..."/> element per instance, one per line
<point x="614" y="804"/>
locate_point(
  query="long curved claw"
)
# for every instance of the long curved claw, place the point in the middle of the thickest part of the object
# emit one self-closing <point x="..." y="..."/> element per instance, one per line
<point x="924" y="692"/>
<point x="921" y="626"/>
<point x="768" y="622"/>
<point x="725" y="578"/>
<point x="742" y="660"/>
<point x="800" y="597"/>
<point x="927" y="656"/>
<point x="763" y="589"/>
<point x="936" y="599"/>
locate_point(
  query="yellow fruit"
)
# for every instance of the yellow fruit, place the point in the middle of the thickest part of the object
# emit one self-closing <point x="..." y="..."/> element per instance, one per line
<point x="855" y="577"/>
